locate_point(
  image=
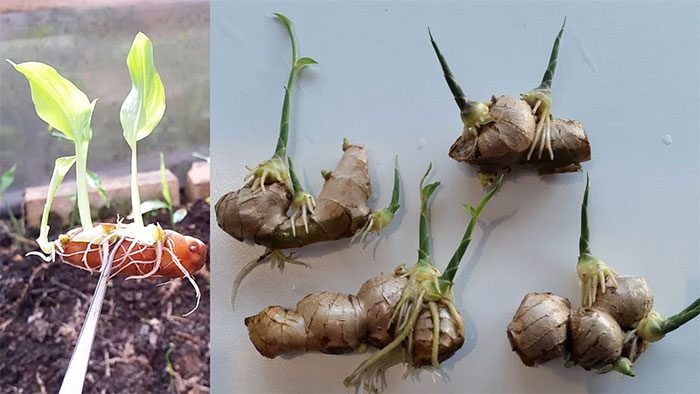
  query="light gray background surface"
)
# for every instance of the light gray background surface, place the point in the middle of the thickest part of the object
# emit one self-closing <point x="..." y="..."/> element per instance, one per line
<point x="627" y="70"/>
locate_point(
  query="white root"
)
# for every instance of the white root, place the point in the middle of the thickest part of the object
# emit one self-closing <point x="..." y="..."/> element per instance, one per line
<point x="364" y="372"/>
<point x="156" y="264"/>
<point x="307" y="205"/>
<point x="244" y="272"/>
<point x="189" y="277"/>
<point x="546" y="140"/>
<point x="262" y="182"/>
<point x="373" y="379"/>
<point x="367" y="228"/>
<point x="536" y="106"/>
<point x="303" y="218"/>
<point x="294" y="225"/>
<point x="278" y="259"/>
<point x="538" y="132"/>
<point x="543" y="132"/>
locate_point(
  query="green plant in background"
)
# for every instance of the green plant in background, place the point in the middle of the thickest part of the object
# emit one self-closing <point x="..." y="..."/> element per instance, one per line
<point x="8" y="177"/>
<point x="152" y="206"/>
<point x="168" y="363"/>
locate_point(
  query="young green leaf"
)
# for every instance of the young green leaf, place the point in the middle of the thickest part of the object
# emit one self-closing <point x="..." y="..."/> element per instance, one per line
<point x="424" y="221"/>
<point x="164" y="183"/>
<point x="153" y="205"/>
<point x="448" y="276"/>
<point x="298" y="64"/>
<point x="168" y="364"/>
<point x="58" y="101"/>
<point x="7" y="178"/>
<point x="584" y="245"/>
<point x="60" y="169"/>
<point x="395" y="193"/>
<point x="471" y="209"/>
<point x="305" y="61"/>
<point x="95" y="182"/>
<point x="143" y="108"/>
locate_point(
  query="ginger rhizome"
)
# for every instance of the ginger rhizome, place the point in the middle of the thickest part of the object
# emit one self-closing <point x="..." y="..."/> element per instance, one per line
<point x="409" y="315"/>
<point x="134" y="249"/>
<point x="612" y="328"/>
<point x="508" y="132"/>
<point x="260" y="210"/>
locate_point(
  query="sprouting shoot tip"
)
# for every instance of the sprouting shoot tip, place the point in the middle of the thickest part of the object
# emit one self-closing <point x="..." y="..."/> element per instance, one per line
<point x="422" y="180"/>
<point x="499" y="182"/>
<point x="282" y="18"/>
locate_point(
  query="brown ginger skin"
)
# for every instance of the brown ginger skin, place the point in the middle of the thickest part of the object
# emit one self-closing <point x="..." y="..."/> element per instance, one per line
<point x="340" y="211"/>
<point x="338" y="323"/>
<point x="502" y="142"/>
<point x="276" y="330"/>
<point x="539" y="329"/>
<point x="570" y="146"/>
<point x="628" y="303"/>
<point x="327" y="322"/>
<point x="505" y="142"/>
<point x="379" y="296"/>
<point x="596" y="338"/>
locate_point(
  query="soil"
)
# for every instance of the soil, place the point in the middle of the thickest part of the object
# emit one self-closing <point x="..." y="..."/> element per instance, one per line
<point x="42" y="308"/>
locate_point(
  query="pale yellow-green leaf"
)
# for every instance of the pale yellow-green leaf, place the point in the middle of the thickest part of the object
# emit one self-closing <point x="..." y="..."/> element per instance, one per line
<point x="60" y="169"/>
<point x="143" y="108"/>
<point x="57" y="100"/>
<point x="153" y="205"/>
